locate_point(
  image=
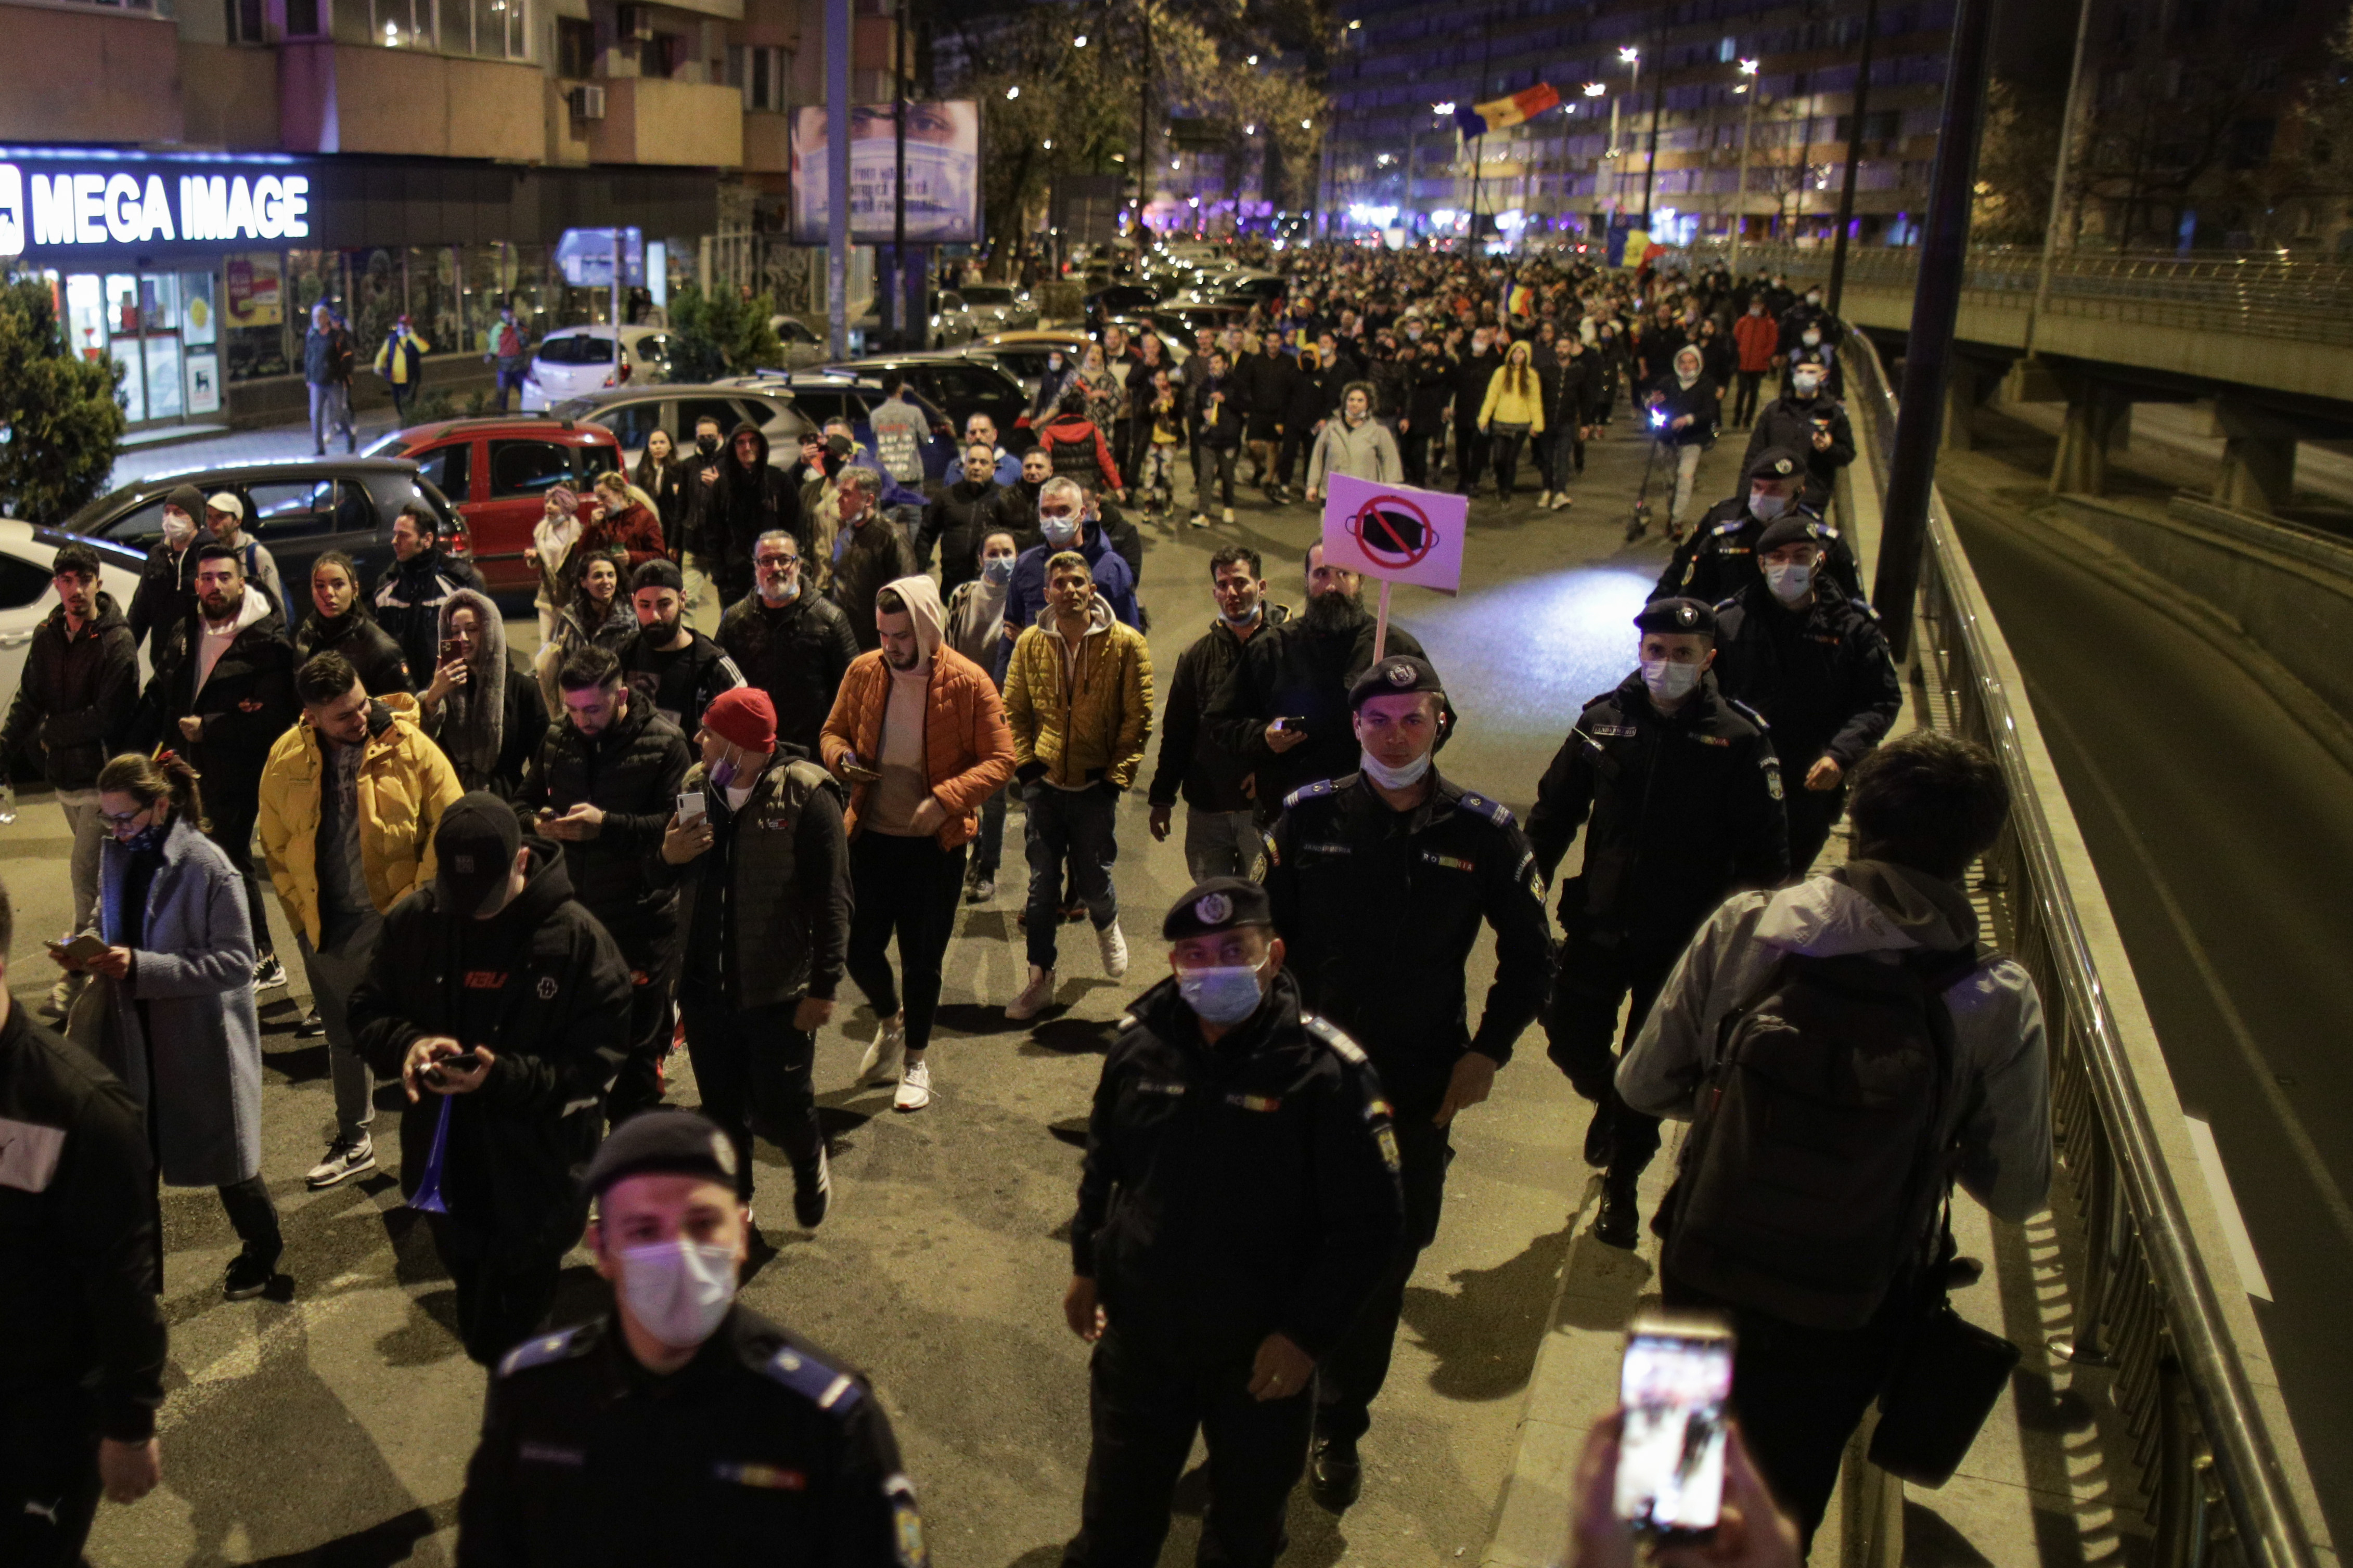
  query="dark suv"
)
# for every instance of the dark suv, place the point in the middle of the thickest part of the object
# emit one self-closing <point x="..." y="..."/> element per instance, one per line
<point x="960" y="382"/>
<point x="498" y="472"/>
<point x="298" y="508"/>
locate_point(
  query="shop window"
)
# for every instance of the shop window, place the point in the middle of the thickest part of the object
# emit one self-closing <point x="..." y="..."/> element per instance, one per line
<point x="244" y="21"/>
<point x="575" y="48"/>
<point x="450" y="468"/>
<point x="527" y="468"/>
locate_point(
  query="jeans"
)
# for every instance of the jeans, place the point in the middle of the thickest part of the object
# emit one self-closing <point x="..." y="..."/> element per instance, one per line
<point x="1296" y="444"/>
<point x="1687" y="481"/>
<point x="906" y="886"/>
<point x="80" y="808"/>
<point x="1470" y="452"/>
<point x="1212" y="465"/>
<point x="1076" y="827"/>
<point x="331" y="410"/>
<point x="253" y="1216"/>
<point x="753" y="1067"/>
<point x="1413" y="451"/>
<point x="1221" y="843"/>
<point x="506" y="1286"/>
<point x="234" y="812"/>
<point x="510" y="379"/>
<point x="1744" y="406"/>
<point x="1568" y="448"/>
<point x="332" y="974"/>
<point x="989" y="848"/>
<point x="403" y="392"/>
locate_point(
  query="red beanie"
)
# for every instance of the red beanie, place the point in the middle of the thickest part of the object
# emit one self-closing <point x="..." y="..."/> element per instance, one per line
<point x="743" y="717"/>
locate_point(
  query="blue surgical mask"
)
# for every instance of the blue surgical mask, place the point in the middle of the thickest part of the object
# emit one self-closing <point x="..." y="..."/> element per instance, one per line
<point x="1223" y="993"/>
<point x="679" y="1291"/>
<point x="1058" y="530"/>
<point x="997" y="569"/>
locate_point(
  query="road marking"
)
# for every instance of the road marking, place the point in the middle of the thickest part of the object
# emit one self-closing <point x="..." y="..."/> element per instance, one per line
<point x="2226" y="1204"/>
<point x="2308" y="1152"/>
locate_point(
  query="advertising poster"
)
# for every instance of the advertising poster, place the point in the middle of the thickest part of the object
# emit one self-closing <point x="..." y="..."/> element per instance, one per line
<point x="203" y="382"/>
<point x="942" y="175"/>
<point x="256" y="288"/>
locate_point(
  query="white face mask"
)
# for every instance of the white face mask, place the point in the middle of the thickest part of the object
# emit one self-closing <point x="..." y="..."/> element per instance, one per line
<point x="1810" y="337"/>
<point x="1389" y="777"/>
<point x="1667" y="681"/>
<point x="1806" y="384"/>
<point x="678" y="1290"/>
<point x="177" y="530"/>
<point x="1789" y="582"/>
<point x="1766" y="508"/>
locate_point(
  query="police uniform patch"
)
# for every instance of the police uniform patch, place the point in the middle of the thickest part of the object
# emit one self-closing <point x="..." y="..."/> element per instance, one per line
<point x="1306" y="792"/>
<point x="723" y="1151"/>
<point x="907" y="1532"/>
<point x="548" y="986"/>
<point x="1400" y="675"/>
<point x="1213" y="909"/>
<point x="1773" y="780"/>
<point x="1494" y="811"/>
<point x="1329" y="848"/>
<point x="550" y="1454"/>
<point x="1687" y="615"/>
<point x="820" y="1384"/>
<point x="539" y="1351"/>
<point x="1713" y="740"/>
<point x="1266" y="1104"/>
<point x="1386" y="1137"/>
<point x="1157" y="1086"/>
<point x="768" y="1478"/>
<point x="1452" y="862"/>
<point x="1615" y="731"/>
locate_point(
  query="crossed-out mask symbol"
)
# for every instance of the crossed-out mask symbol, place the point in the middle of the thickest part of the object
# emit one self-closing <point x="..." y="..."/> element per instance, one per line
<point x="1393" y="531"/>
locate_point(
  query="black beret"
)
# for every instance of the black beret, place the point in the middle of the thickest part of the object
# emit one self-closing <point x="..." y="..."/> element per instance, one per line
<point x="1220" y="903"/>
<point x="1789" y="528"/>
<point x="1776" y="463"/>
<point x="1399" y="675"/>
<point x="1691" y="616"/>
<point x="670" y="1142"/>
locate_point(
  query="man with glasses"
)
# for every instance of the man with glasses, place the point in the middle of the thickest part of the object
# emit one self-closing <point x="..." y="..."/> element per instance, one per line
<point x="77" y="696"/>
<point x="788" y="642"/>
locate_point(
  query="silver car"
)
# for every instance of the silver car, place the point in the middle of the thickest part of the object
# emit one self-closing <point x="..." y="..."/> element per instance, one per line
<point x="803" y="344"/>
<point x="1000" y="306"/>
<point x="634" y="416"/>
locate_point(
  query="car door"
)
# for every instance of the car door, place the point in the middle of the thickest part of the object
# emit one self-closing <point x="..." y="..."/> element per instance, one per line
<point x="522" y="470"/>
<point x="632" y="423"/>
<point x="26" y="596"/>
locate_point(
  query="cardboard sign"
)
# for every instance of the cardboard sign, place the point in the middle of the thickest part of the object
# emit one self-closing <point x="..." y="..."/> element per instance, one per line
<point x="1395" y="533"/>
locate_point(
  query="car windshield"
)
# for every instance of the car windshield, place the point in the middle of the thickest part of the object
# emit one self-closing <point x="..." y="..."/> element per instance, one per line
<point x="987" y="294"/>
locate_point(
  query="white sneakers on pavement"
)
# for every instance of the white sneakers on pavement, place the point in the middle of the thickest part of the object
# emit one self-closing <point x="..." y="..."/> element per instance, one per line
<point x="881" y="1062"/>
<point x="1035" y="998"/>
<point x="345" y="1158"/>
<point x="915" y="1086"/>
<point x="1113" y="943"/>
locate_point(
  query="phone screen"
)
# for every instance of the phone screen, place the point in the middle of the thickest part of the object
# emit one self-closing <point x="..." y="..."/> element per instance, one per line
<point x="1673" y="1387"/>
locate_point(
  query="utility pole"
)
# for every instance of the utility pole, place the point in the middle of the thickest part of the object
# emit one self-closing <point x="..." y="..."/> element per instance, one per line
<point x="897" y="318"/>
<point x="1944" y="256"/>
<point x="1143" y="123"/>
<point x="837" y="177"/>
<point x="1854" y="156"/>
<point x="1740" y="186"/>
<point x="1658" y="92"/>
<point x="2059" y="177"/>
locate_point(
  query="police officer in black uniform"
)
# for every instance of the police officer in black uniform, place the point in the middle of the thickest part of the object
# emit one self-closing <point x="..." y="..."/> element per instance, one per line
<point x="81" y="1342"/>
<point x="1719" y="558"/>
<point x="1239" y="1203"/>
<point x="1817" y="667"/>
<point x="1379" y="881"/>
<point x="684" y="1427"/>
<point x="1685" y="796"/>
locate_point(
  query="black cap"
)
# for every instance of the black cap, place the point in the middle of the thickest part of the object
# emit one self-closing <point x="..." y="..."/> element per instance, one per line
<point x="475" y="846"/>
<point x="657" y="574"/>
<point x="187" y="498"/>
<point x="666" y="1143"/>
<point x="1790" y="528"/>
<point x="1399" y="675"/>
<point x="1776" y="463"/>
<point x="1689" y="616"/>
<point x="1218" y="904"/>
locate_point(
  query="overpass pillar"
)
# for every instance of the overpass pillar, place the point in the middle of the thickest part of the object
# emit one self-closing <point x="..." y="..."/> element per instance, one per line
<point x="2258" y="459"/>
<point x="2097" y="416"/>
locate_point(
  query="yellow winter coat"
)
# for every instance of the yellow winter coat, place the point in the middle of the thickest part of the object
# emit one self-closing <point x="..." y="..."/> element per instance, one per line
<point x="1083" y="730"/>
<point x="405" y="784"/>
<point x="1510" y="408"/>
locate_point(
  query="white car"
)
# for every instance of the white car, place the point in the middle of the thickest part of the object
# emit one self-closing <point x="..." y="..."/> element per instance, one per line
<point x="573" y="362"/>
<point x="802" y="345"/>
<point x="27" y="595"/>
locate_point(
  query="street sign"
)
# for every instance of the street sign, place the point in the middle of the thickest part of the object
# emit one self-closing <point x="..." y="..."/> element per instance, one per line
<point x="1395" y="533"/>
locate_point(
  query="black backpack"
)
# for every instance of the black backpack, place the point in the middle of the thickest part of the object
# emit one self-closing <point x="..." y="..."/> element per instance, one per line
<point x="1814" y="1174"/>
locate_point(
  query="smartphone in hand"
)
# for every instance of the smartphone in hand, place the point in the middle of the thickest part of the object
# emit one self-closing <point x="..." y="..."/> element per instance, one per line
<point x="1675" y="1385"/>
<point x="689" y="807"/>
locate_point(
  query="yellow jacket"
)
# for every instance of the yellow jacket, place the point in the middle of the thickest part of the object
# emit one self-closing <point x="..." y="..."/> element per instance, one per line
<point x="1090" y="729"/>
<point x="1509" y="407"/>
<point x="405" y="784"/>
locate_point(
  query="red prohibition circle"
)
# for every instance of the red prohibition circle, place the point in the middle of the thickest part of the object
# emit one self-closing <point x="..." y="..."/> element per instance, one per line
<point x="1387" y="549"/>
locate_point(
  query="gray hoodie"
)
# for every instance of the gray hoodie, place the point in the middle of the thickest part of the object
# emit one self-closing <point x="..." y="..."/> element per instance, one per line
<point x="2003" y="1137"/>
<point x="1367" y="451"/>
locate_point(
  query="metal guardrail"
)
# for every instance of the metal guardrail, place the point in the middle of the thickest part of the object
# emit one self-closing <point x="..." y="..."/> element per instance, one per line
<point x="2211" y="1479"/>
<point x="2260" y="296"/>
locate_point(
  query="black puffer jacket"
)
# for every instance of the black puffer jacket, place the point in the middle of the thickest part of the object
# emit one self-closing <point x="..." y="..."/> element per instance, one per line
<point x="1300" y="671"/>
<point x="740" y="505"/>
<point x="875" y="556"/>
<point x="518" y="1145"/>
<point x="630" y="771"/>
<point x="408" y="600"/>
<point x="382" y="666"/>
<point x="798" y="654"/>
<point x="954" y="525"/>
<point x="247" y="704"/>
<point x="783" y="930"/>
<point x="77" y="697"/>
<point x="166" y="593"/>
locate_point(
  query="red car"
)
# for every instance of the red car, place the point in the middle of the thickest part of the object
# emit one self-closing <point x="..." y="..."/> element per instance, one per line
<point x="497" y="472"/>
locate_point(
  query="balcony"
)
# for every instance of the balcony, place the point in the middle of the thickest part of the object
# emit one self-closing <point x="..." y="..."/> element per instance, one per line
<point x="356" y="98"/>
<point x="653" y="120"/>
<point x="82" y="73"/>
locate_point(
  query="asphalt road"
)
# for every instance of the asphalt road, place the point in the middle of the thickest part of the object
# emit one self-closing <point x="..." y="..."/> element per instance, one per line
<point x="334" y="1427"/>
<point x="2223" y="835"/>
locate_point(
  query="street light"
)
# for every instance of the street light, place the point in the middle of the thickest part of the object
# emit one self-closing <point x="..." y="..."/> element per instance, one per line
<point x="1080" y="42"/>
<point x="1596" y="89"/>
<point x="1012" y="92"/>
<point x="1253" y="59"/>
<point x="1740" y="186"/>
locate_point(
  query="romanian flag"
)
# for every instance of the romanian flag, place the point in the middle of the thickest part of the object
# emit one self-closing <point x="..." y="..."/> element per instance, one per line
<point x="1524" y="105"/>
<point x="1520" y="300"/>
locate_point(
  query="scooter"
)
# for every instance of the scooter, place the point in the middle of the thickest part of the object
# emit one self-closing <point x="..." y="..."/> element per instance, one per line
<point x="1639" y="523"/>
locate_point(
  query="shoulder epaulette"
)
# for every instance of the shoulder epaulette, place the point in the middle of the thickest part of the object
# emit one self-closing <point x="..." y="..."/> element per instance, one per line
<point x="1333" y="1036"/>
<point x="1864" y="606"/>
<point x="1735" y="526"/>
<point x="545" y="1348"/>
<point x="1494" y="811"/>
<point x="1306" y="792"/>
<point x="832" y="1391"/>
<point x="1749" y="713"/>
<point x="1731" y="602"/>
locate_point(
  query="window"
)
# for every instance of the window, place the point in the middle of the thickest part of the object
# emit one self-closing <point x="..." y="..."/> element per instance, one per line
<point x="448" y="468"/>
<point x="576" y="348"/>
<point x="651" y="351"/>
<point x="303" y="18"/>
<point x="142" y="528"/>
<point x="289" y="508"/>
<point x="633" y="424"/>
<point x="575" y="48"/>
<point x="245" y="21"/>
<point x="764" y="74"/>
<point x="662" y="54"/>
<point x="528" y="467"/>
<point x="587" y="462"/>
<point x="822" y="407"/>
<point x="691" y="409"/>
<point x="21" y="583"/>
<point x="791" y="329"/>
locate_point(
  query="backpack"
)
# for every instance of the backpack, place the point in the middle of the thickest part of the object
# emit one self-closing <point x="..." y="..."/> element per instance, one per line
<point x="1816" y="1169"/>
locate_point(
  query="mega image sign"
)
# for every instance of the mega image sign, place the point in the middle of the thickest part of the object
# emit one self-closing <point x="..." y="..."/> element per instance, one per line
<point x="56" y="208"/>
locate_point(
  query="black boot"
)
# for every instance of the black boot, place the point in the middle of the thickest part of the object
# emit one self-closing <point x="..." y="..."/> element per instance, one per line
<point x="1335" y="1478"/>
<point x="1597" y="1140"/>
<point x="1619" y="1223"/>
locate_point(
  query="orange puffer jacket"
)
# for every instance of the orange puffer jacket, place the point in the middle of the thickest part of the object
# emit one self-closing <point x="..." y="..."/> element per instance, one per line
<point x="967" y="748"/>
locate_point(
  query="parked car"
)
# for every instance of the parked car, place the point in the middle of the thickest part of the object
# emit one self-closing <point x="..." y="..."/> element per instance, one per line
<point x="1024" y="354"/>
<point x="1120" y="300"/>
<point x="960" y="382"/>
<point x="819" y="397"/>
<point x="298" y="508"/>
<point x="497" y="473"/>
<point x="575" y="360"/>
<point x="951" y="323"/>
<point x="999" y="306"/>
<point x="634" y="414"/>
<point x="27" y="594"/>
<point x="804" y="345"/>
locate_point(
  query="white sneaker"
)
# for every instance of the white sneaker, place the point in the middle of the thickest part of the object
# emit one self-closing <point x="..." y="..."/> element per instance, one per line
<point x="1229" y="517"/>
<point x="915" y="1086"/>
<point x="881" y="1062"/>
<point x="344" y="1158"/>
<point x="1035" y="998"/>
<point x="1198" y="520"/>
<point x="1113" y="945"/>
<point x="1544" y="500"/>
